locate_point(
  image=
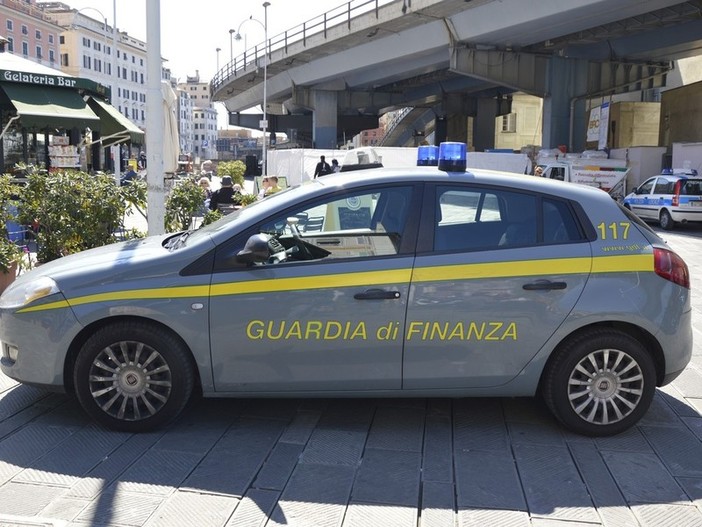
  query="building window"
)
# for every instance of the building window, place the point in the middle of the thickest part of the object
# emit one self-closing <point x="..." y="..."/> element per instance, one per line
<point x="108" y="68"/>
<point x="39" y="53"/>
<point x="62" y="40"/>
<point x="125" y="94"/>
<point x="64" y="59"/>
<point x="37" y="34"/>
<point x="97" y="46"/>
<point x="25" y="48"/>
<point x="141" y="78"/>
<point x="124" y="73"/>
<point x="9" y="25"/>
<point x="98" y="65"/>
<point x="86" y="42"/>
<point x="86" y="62"/>
<point x="51" y="38"/>
<point x="10" y="44"/>
<point x="133" y="59"/>
<point x="52" y="56"/>
<point x="25" y="30"/>
<point x="141" y="62"/>
<point x="509" y="123"/>
<point x="142" y="115"/>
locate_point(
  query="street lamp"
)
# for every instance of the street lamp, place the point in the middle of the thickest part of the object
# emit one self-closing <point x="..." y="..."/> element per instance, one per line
<point x="264" y="122"/>
<point x="218" y="50"/>
<point x="231" y="45"/>
<point x="114" y="150"/>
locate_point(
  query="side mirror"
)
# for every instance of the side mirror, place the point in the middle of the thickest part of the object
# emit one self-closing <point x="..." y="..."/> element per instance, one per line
<point x="256" y="250"/>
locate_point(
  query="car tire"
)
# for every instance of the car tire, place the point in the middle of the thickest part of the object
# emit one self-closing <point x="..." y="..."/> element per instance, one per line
<point x="600" y="383"/>
<point x="666" y="220"/>
<point x="133" y="376"/>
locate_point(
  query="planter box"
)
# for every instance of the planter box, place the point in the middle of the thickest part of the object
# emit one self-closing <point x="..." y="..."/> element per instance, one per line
<point x="7" y="278"/>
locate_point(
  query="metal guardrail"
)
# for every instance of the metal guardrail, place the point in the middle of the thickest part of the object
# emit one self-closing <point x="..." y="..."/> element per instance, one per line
<point x="341" y="15"/>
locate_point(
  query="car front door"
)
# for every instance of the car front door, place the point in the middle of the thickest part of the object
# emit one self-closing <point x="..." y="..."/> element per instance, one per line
<point x="502" y="273"/>
<point x="642" y="204"/>
<point x="326" y="313"/>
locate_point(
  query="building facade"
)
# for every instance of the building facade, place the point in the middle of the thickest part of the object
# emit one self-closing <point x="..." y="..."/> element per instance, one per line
<point x="92" y="49"/>
<point x="30" y="32"/>
<point x="204" y="118"/>
<point x="186" y="109"/>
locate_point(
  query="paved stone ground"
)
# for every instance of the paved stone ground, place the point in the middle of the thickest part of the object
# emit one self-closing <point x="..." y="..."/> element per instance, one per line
<point x="357" y="463"/>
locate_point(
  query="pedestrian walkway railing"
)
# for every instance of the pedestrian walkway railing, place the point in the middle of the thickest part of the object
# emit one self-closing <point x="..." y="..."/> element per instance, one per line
<point x="320" y="25"/>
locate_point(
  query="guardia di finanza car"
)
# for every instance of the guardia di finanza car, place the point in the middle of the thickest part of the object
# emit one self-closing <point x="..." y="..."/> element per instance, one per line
<point x="382" y="283"/>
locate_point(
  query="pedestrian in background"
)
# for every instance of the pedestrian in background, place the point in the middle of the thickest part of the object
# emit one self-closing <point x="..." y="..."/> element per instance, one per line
<point x="322" y="168"/>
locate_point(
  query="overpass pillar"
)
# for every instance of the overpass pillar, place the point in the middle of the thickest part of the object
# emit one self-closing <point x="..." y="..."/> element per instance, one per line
<point x="566" y="80"/>
<point x="484" y="124"/>
<point x="324" y="118"/>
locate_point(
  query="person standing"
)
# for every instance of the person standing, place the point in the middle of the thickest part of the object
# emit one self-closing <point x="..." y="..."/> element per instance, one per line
<point x="335" y="167"/>
<point x="322" y="168"/>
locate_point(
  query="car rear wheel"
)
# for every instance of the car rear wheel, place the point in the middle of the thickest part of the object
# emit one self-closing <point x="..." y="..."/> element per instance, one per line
<point x="666" y="220"/>
<point x="133" y="376"/>
<point x="600" y="383"/>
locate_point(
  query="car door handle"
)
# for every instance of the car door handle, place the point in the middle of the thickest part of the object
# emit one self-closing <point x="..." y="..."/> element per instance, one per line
<point x="544" y="285"/>
<point x="377" y="294"/>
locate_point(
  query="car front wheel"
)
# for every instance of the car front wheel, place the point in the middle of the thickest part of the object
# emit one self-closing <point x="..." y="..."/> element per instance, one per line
<point x="600" y="383"/>
<point x="133" y="377"/>
<point x="666" y="220"/>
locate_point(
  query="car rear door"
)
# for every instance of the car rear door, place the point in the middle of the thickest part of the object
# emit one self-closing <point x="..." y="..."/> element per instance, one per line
<point x="497" y="271"/>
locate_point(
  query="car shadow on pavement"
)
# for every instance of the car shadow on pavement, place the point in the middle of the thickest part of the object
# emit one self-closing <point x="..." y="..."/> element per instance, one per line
<point x="350" y="461"/>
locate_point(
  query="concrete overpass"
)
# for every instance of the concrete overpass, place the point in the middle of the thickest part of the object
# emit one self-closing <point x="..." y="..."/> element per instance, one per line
<point x="337" y="73"/>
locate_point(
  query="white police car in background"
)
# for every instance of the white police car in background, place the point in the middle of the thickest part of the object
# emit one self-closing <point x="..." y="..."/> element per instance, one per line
<point x="427" y="281"/>
<point x="675" y="196"/>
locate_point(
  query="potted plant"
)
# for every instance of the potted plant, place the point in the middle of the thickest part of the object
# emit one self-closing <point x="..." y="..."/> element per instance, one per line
<point x="10" y="253"/>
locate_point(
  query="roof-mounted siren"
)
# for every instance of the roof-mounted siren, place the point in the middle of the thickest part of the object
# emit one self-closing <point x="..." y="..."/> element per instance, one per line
<point x="427" y="156"/>
<point x="452" y="157"/>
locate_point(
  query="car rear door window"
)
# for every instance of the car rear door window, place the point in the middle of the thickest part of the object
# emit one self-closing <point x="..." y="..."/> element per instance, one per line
<point x="484" y="219"/>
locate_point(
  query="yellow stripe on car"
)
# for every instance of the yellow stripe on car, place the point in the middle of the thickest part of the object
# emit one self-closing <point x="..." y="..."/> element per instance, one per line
<point x="555" y="266"/>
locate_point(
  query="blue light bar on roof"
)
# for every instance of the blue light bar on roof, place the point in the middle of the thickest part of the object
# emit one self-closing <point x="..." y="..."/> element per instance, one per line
<point x="427" y="155"/>
<point x="452" y="157"/>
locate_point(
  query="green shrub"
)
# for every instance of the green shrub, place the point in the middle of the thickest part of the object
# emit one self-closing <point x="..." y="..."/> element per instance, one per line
<point x="235" y="169"/>
<point x="9" y="252"/>
<point x="75" y="211"/>
<point x="185" y="201"/>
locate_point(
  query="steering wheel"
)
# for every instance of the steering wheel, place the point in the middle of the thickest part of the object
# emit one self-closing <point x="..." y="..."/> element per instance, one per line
<point x="305" y="252"/>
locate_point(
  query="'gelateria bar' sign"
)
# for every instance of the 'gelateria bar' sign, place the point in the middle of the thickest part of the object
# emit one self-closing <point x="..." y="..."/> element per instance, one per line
<point x="38" y="79"/>
<point x="56" y="81"/>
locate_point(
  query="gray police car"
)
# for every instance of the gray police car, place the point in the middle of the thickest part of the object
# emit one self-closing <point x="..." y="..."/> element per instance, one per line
<point x="382" y="283"/>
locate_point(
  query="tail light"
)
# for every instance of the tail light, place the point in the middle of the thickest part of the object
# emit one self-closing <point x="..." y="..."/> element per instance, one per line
<point x="676" y="193"/>
<point x="670" y="266"/>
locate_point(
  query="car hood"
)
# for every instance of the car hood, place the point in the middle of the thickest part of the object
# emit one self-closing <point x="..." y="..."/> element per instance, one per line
<point x="108" y="260"/>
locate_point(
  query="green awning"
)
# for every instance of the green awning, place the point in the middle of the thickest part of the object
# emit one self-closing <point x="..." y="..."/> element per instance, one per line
<point x="114" y="127"/>
<point x="43" y="107"/>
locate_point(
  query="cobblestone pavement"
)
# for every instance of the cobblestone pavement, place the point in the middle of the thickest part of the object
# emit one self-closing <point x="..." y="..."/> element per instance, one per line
<point x="357" y="463"/>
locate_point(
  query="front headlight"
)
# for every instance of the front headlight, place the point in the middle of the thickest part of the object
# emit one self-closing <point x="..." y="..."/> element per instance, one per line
<point x="17" y="296"/>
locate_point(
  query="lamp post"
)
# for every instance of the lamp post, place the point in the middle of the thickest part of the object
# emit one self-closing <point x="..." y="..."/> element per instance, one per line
<point x="218" y="50"/>
<point x="114" y="149"/>
<point x="231" y="45"/>
<point x="264" y="122"/>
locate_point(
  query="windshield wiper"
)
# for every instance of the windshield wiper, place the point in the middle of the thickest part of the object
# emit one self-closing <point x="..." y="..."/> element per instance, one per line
<point x="178" y="241"/>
